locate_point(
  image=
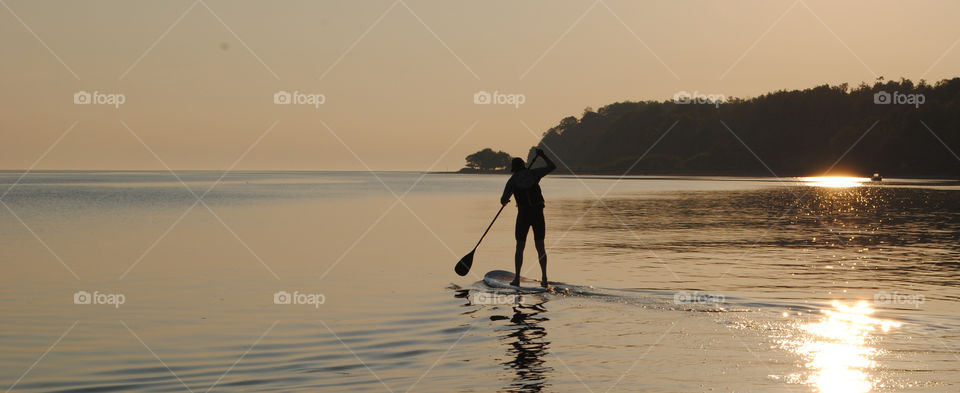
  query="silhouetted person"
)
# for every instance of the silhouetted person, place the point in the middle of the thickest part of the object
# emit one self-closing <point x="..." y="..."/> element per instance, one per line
<point x="524" y="186"/>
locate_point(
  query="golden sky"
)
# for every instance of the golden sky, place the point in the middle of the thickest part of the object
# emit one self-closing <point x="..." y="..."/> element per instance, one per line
<point x="198" y="77"/>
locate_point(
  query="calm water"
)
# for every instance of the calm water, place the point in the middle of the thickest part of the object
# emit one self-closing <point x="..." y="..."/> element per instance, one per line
<point x="679" y="285"/>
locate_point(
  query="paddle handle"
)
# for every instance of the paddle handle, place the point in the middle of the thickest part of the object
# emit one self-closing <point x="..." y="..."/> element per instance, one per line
<point x="498" y="212"/>
<point x="489" y="226"/>
<point x="530" y="165"/>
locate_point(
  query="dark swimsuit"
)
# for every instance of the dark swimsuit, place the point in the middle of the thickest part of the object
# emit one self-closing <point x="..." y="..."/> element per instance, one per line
<point x="525" y="187"/>
<point x="530" y="216"/>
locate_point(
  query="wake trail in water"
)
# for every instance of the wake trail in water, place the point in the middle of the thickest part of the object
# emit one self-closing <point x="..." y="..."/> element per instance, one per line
<point x="495" y="289"/>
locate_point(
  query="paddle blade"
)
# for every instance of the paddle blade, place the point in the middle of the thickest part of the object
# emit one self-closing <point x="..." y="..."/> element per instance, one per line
<point x="463" y="267"/>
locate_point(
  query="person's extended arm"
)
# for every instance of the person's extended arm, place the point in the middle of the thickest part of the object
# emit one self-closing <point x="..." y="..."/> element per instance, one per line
<point x="543" y="171"/>
<point x="507" y="192"/>
<point x="550" y="165"/>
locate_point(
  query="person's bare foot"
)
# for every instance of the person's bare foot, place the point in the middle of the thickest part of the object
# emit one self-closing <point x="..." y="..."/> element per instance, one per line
<point x="515" y="283"/>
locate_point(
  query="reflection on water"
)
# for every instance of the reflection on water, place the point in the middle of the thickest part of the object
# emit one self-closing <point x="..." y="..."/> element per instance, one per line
<point x="839" y="349"/>
<point x="834" y="181"/>
<point x="527" y="348"/>
<point x="870" y="233"/>
<point x="524" y="334"/>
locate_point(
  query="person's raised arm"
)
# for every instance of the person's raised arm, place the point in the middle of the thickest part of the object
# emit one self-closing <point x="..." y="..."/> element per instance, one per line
<point x="543" y="171"/>
<point x="550" y="165"/>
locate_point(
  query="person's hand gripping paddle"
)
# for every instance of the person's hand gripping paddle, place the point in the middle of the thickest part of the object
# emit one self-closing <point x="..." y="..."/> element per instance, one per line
<point x="463" y="266"/>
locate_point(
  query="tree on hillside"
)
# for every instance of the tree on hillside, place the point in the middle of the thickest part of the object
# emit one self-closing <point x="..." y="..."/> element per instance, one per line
<point x="487" y="159"/>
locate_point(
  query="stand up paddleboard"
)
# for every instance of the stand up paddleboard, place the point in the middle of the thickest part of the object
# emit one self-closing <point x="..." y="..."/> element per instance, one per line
<point x="502" y="279"/>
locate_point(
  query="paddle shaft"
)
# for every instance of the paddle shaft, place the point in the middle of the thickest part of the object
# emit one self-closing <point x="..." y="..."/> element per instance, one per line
<point x="499" y="211"/>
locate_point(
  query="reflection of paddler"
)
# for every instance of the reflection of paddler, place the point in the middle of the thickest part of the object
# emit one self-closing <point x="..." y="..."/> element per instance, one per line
<point x="524" y="186"/>
<point x="529" y="348"/>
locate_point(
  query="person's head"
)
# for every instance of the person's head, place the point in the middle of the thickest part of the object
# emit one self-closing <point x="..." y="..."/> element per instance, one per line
<point x="517" y="164"/>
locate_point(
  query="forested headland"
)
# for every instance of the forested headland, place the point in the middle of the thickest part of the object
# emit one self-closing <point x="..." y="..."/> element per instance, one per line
<point x="897" y="128"/>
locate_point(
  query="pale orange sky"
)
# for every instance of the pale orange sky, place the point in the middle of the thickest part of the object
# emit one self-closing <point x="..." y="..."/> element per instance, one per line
<point x="399" y="77"/>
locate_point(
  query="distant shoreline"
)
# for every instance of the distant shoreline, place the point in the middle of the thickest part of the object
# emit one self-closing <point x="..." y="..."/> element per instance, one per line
<point x="696" y="174"/>
<point x="558" y="173"/>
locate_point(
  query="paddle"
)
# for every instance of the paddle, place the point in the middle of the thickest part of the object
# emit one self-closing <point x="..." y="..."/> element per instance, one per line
<point x="463" y="266"/>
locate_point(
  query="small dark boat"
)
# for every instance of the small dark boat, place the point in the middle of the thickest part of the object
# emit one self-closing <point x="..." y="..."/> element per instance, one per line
<point x="876" y="177"/>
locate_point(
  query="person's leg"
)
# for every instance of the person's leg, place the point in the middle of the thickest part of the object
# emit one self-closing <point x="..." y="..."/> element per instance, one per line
<point x="539" y="234"/>
<point x="523" y="226"/>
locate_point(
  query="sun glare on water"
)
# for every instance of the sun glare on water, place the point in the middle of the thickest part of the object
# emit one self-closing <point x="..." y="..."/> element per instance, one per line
<point x="834" y="181"/>
<point x="837" y="349"/>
